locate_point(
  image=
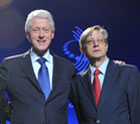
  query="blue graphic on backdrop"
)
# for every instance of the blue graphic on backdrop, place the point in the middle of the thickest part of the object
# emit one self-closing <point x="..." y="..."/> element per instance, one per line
<point x="70" y="47"/>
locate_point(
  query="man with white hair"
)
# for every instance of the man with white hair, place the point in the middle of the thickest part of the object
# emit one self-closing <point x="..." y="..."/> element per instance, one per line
<point x="38" y="82"/>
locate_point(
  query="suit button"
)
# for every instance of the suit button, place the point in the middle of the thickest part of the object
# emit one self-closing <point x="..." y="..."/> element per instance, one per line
<point x="98" y="121"/>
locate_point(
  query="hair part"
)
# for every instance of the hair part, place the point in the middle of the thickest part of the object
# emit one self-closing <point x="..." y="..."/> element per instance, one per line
<point x="39" y="13"/>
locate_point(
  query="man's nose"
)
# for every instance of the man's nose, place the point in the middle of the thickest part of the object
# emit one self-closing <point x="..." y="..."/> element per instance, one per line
<point x="96" y="43"/>
<point x="41" y="34"/>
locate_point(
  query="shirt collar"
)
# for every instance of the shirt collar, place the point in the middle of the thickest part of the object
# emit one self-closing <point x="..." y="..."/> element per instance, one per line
<point x="102" y="68"/>
<point x="35" y="57"/>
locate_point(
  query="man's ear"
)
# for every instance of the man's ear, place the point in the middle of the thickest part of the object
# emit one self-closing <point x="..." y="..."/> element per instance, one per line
<point x="27" y="35"/>
<point x="81" y="50"/>
<point x="52" y="35"/>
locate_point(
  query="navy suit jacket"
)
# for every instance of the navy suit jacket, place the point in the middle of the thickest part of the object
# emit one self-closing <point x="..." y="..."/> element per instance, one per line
<point x="120" y="97"/>
<point x="2" y="103"/>
<point x="28" y="105"/>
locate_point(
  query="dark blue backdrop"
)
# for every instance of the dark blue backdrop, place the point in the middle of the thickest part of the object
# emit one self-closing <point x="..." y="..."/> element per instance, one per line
<point x="121" y="18"/>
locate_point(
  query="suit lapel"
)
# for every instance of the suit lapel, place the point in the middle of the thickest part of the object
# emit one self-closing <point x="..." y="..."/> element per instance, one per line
<point x="26" y="65"/>
<point x="107" y="85"/>
<point x="87" y="87"/>
<point x="56" y="70"/>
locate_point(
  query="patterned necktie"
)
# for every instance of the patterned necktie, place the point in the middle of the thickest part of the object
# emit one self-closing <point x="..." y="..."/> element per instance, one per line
<point x="43" y="78"/>
<point x="96" y="87"/>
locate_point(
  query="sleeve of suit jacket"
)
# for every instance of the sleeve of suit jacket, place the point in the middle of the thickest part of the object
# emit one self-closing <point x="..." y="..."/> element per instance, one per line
<point x="2" y="102"/>
<point x="134" y="95"/>
<point x="74" y="97"/>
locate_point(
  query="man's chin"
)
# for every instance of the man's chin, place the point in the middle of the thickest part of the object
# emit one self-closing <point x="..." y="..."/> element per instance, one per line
<point x="96" y="57"/>
<point x="40" y="52"/>
<point x="99" y="58"/>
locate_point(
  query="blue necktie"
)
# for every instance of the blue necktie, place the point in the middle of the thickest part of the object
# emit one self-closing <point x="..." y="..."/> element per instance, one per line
<point x="43" y="78"/>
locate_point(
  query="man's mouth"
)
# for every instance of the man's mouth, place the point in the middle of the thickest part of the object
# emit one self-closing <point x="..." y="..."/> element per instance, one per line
<point x="41" y="40"/>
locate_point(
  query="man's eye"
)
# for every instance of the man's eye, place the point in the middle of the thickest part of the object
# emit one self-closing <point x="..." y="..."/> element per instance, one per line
<point x="46" y="30"/>
<point x="100" y="40"/>
<point x="35" y="30"/>
<point x="89" y="41"/>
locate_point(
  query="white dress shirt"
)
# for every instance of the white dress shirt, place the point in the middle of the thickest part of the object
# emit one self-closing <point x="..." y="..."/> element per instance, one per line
<point x="36" y="65"/>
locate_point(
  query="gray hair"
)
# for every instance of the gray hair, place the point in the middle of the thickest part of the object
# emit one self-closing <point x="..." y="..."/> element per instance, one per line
<point x="39" y="13"/>
<point x="89" y="31"/>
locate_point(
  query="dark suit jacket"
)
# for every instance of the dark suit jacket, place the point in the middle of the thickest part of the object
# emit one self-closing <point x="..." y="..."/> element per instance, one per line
<point x="27" y="99"/>
<point x="120" y="97"/>
<point x="2" y="103"/>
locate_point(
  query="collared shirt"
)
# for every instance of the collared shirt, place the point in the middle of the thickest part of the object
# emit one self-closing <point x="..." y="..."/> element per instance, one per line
<point x="36" y="65"/>
<point x="102" y="69"/>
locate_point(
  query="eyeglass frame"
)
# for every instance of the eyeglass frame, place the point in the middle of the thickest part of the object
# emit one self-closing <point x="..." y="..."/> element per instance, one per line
<point x="92" y="41"/>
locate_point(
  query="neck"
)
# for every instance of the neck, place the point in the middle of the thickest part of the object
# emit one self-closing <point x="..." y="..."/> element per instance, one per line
<point x="97" y="62"/>
<point x="40" y="53"/>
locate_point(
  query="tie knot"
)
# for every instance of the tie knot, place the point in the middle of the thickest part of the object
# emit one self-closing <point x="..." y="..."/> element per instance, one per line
<point x="97" y="72"/>
<point x="41" y="60"/>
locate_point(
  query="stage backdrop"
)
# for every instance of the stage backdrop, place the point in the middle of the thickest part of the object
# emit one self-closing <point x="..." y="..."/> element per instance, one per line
<point x="121" y="18"/>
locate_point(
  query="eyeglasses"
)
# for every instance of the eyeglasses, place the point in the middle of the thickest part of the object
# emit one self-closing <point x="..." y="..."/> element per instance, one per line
<point x="92" y="41"/>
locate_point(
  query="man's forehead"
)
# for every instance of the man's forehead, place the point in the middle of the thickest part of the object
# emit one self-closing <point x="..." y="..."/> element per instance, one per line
<point x="94" y="34"/>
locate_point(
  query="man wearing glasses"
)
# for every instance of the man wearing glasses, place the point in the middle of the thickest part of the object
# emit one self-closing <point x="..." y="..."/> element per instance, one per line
<point x="105" y="93"/>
